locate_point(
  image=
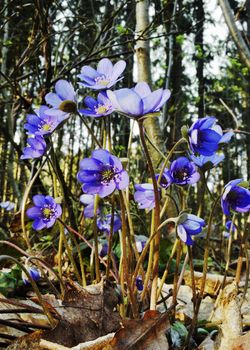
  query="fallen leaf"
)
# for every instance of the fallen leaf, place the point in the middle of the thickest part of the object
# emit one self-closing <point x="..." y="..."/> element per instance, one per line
<point x="145" y="334"/>
<point x="242" y="343"/>
<point x="207" y="344"/>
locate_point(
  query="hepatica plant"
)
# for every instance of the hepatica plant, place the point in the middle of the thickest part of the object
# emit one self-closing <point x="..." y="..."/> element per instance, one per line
<point x="114" y="190"/>
<point x="102" y="173"/>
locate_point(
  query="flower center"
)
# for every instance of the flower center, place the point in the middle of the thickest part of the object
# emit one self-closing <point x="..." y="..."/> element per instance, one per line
<point x="68" y="106"/>
<point x="107" y="175"/>
<point x="182" y="174"/>
<point x="48" y="212"/>
<point x="46" y="127"/>
<point x="102" y="80"/>
<point x="101" y="109"/>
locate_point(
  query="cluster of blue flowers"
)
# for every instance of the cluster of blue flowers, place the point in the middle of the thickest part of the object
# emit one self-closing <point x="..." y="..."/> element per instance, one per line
<point x="103" y="173"/>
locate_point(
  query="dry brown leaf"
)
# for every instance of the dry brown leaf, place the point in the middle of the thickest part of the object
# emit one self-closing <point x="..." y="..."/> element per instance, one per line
<point x="242" y="343"/>
<point x="85" y="314"/>
<point x="213" y="281"/>
<point x="145" y="334"/>
<point x="231" y="326"/>
<point x="97" y="344"/>
<point x="207" y="344"/>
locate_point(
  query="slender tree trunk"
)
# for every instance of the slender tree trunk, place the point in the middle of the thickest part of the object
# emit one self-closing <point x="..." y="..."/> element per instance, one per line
<point x="144" y="74"/>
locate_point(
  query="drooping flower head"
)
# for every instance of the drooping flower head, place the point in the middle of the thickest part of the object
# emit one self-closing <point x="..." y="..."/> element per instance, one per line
<point x="97" y="108"/>
<point x="230" y="227"/>
<point x="187" y="226"/>
<point x="41" y="123"/>
<point x="104" y="223"/>
<point x="45" y="212"/>
<point x="88" y="200"/>
<point x="144" y="196"/>
<point x="103" y="249"/>
<point x="34" y="274"/>
<point x="102" y="174"/>
<point x="181" y="172"/>
<point x="138" y="101"/>
<point x="36" y="148"/>
<point x="140" y="242"/>
<point x="63" y="100"/>
<point x="205" y="135"/>
<point x="105" y="76"/>
<point x="8" y="205"/>
<point x="207" y="162"/>
<point x="235" y="197"/>
<point x="139" y="283"/>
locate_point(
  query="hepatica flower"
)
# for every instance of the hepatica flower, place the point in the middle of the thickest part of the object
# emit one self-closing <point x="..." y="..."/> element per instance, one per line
<point x="105" y="76"/>
<point x="207" y="162"/>
<point x="41" y="123"/>
<point x="138" y="101"/>
<point x="88" y="200"/>
<point x="205" y="135"/>
<point x="144" y="196"/>
<point x="181" y="172"/>
<point x="104" y="223"/>
<point x="235" y="197"/>
<point x="97" y="108"/>
<point x="230" y="227"/>
<point x="63" y="100"/>
<point x="45" y="212"/>
<point x="187" y="226"/>
<point x="102" y="174"/>
<point x="34" y="274"/>
<point x="36" y="148"/>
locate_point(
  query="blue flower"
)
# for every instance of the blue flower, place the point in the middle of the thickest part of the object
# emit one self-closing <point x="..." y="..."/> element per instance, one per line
<point x="235" y="197"/>
<point x="104" y="223"/>
<point x="189" y="225"/>
<point x="63" y="100"/>
<point x="41" y="123"/>
<point x="88" y="200"/>
<point x="45" y="212"/>
<point x="8" y="205"/>
<point x="207" y="162"/>
<point x="97" y="108"/>
<point x="105" y="76"/>
<point x="140" y="242"/>
<point x="102" y="174"/>
<point x="103" y="249"/>
<point x="36" y="148"/>
<point x="182" y="172"/>
<point x="138" y="101"/>
<point x="230" y="227"/>
<point x="144" y="196"/>
<point x="205" y="136"/>
<point x="34" y="274"/>
<point x="139" y="283"/>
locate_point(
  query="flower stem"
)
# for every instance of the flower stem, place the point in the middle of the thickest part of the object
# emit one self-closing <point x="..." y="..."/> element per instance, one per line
<point x="97" y="264"/>
<point x="156" y="241"/>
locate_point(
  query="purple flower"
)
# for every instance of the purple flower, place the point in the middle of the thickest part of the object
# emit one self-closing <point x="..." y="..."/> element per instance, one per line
<point x="235" y="197"/>
<point x="144" y="196"/>
<point x="88" y="200"/>
<point x="36" y="148"/>
<point x="140" y="242"/>
<point x="105" y="76"/>
<point x="189" y="225"/>
<point x="8" y="205"/>
<point x="230" y="227"/>
<point x="34" y="274"/>
<point x="41" y="123"/>
<point x="104" y="223"/>
<point x="45" y="212"/>
<point x="205" y="136"/>
<point x="102" y="174"/>
<point x="139" y="283"/>
<point x="97" y="108"/>
<point x="182" y="172"/>
<point x="63" y="100"/>
<point x="207" y="162"/>
<point x="138" y="101"/>
<point x="103" y="249"/>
